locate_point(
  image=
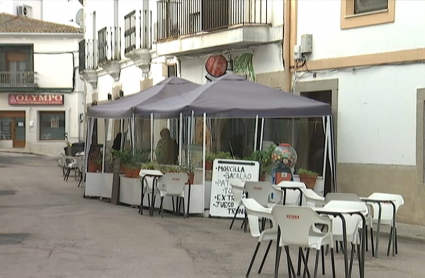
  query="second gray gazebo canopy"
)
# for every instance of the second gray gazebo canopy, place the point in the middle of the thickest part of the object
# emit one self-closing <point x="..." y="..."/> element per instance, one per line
<point x="233" y="96"/>
<point x="123" y="108"/>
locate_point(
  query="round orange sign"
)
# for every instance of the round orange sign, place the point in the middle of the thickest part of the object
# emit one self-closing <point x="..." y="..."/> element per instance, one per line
<point x="216" y="65"/>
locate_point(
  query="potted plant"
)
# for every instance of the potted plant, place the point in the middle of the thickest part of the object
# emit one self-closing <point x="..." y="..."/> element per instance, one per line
<point x="308" y="177"/>
<point x="209" y="158"/>
<point x="94" y="161"/>
<point x="123" y="156"/>
<point x="134" y="162"/>
<point x="190" y="170"/>
<point x="264" y="157"/>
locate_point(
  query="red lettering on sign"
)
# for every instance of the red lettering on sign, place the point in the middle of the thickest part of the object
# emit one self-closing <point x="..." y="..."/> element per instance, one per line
<point x="293" y="216"/>
<point x="23" y="99"/>
<point x="258" y="188"/>
<point x="175" y="179"/>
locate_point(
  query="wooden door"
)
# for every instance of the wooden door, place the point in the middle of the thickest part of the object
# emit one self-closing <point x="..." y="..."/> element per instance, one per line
<point x="18" y="130"/>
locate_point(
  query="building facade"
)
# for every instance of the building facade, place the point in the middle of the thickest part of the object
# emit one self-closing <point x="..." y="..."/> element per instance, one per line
<point x="41" y="98"/>
<point x="359" y="56"/>
<point x="368" y="61"/>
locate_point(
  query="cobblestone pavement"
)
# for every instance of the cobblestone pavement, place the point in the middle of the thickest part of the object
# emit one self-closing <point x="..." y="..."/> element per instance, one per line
<point x="47" y="229"/>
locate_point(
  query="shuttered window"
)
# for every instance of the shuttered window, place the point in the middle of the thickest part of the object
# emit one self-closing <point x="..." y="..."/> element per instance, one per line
<point x="366" y="6"/>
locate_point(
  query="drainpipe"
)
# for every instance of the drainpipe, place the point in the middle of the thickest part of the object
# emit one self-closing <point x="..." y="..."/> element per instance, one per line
<point x="287" y="76"/>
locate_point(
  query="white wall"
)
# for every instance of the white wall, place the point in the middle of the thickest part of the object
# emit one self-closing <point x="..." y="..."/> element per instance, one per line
<point x="36" y="6"/>
<point x="322" y="19"/>
<point x="377" y="114"/>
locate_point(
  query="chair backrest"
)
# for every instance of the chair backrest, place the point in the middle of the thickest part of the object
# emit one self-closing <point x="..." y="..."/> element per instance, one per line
<point x="332" y="196"/>
<point x="260" y="191"/>
<point x="352" y="222"/>
<point x="237" y="190"/>
<point x="296" y="222"/>
<point x="292" y="195"/>
<point x="387" y="210"/>
<point x="255" y="212"/>
<point x="172" y="183"/>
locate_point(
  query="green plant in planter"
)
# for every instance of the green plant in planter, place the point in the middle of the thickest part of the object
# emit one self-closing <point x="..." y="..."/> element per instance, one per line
<point x="152" y="165"/>
<point x="307" y="172"/>
<point x="224" y="155"/>
<point x="134" y="161"/>
<point x="210" y="156"/>
<point x="264" y="157"/>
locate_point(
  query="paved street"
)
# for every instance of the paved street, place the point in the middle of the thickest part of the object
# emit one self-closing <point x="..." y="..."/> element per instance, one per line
<point x="47" y="229"/>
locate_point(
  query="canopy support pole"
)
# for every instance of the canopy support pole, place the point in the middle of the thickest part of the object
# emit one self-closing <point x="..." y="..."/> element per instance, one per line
<point x="152" y="137"/>
<point x="204" y="147"/>
<point x="105" y="128"/>
<point x="255" y="133"/>
<point x="180" y="138"/>
<point x="262" y="134"/>
<point x="132" y="132"/>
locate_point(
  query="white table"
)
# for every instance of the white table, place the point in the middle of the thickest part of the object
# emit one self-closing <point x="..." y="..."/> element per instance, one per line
<point x="155" y="174"/>
<point x="339" y="212"/>
<point x="378" y="229"/>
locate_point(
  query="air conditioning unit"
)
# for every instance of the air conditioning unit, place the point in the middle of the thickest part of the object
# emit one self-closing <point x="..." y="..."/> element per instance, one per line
<point x="25" y="10"/>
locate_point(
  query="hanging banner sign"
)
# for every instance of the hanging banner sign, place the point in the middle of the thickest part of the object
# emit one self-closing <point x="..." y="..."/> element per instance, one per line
<point x="222" y="202"/>
<point x="24" y="99"/>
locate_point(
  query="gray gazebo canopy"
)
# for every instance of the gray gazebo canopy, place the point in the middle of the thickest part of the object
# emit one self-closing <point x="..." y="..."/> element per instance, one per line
<point x="123" y="108"/>
<point x="232" y="96"/>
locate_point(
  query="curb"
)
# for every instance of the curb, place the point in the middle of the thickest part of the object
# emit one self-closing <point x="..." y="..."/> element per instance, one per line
<point x="404" y="236"/>
<point x="30" y="153"/>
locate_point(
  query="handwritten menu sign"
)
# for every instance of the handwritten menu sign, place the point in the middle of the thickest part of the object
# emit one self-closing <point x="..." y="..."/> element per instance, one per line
<point x="222" y="202"/>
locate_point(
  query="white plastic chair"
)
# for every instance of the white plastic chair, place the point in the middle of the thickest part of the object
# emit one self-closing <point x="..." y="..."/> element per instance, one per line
<point x="80" y="165"/>
<point x="261" y="191"/>
<point x="352" y="222"/>
<point x="256" y="212"/>
<point x="296" y="225"/>
<point x="387" y="213"/>
<point x="70" y="163"/>
<point x="172" y="184"/>
<point x="238" y="187"/>
<point x="333" y="196"/>
<point x="312" y="197"/>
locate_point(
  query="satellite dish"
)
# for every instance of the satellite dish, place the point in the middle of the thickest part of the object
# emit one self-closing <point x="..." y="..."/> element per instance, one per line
<point x="79" y="17"/>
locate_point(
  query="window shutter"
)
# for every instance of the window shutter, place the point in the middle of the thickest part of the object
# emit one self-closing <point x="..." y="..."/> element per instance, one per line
<point x="2" y="61"/>
<point x="365" y="6"/>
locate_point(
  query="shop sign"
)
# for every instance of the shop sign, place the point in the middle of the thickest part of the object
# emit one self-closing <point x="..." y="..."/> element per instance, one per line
<point x="216" y="65"/>
<point x="22" y="99"/>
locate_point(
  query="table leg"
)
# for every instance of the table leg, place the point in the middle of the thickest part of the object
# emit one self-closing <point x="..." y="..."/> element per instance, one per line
<point x="363" y="242"/>
<point x="394" y="223"/>
<point x="151" y="208"/>
<point x="188" y="200"/>
<point x="142" y="195"/>
<point x="378" y="229"/>
<point x="344" y="242"/>
<point x="276" y="264"/>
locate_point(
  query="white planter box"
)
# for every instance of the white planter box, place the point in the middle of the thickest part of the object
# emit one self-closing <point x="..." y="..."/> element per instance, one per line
<point x="130" y="191"/>
<point x="106" y="188"/>
<point x="93" y="184"/>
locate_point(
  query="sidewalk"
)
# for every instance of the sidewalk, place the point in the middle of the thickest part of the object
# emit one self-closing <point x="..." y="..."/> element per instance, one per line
<point x="405" y="231"/>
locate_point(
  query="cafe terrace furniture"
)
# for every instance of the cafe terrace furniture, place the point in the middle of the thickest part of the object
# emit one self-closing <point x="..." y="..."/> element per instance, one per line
<point x="256" y="212"/>
<point x="237" y="190"/>
<point x="385" y="207"/>
<point x="295" y="225"/>
<point x="172" y="184"/>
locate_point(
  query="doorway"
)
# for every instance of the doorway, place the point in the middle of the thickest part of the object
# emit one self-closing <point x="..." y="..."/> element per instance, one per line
<point x="13" y="127"/>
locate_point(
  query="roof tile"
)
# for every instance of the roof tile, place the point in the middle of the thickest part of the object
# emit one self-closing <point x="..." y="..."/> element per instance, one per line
<point x="20" y="24"/>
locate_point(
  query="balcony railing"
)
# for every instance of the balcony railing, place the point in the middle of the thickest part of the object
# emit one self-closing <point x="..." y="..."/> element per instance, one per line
<point x="87" y="55"/>
<point x="21" y="79"/>
<point x="138" y="30"/>
<point x="109" y="44"/>
<point x="188" y="17"/>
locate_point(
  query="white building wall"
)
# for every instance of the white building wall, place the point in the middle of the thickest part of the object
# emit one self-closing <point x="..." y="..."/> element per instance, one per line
<point x="376" y="114"/>
<point x="322" y="19"/>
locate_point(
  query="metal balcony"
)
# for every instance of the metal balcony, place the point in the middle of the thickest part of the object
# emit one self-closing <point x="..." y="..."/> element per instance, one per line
<point x="20" y="79"/>
<point x="109" y="44"/>
<point x="178" y="18"/>
<point x="88" y="57"/>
